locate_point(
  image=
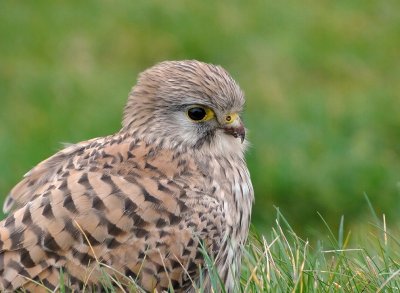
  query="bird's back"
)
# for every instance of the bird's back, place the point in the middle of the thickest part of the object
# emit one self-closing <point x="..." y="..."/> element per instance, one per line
<point x="115" y="201"/>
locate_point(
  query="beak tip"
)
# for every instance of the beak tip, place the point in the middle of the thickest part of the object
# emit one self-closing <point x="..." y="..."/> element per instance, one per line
<point x="237" y="132"/>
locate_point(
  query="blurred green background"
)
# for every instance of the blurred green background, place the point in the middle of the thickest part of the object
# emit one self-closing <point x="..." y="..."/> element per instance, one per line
<point x="322" y="80"/>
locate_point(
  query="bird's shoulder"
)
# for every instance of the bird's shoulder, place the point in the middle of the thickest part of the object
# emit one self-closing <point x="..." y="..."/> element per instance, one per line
<point x="121" y="155"/>
<point x="46" y="171"/>
<point x="98" y="154"/>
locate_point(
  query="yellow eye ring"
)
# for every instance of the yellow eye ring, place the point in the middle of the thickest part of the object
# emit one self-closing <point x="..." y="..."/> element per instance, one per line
<point x="199" y="113"/>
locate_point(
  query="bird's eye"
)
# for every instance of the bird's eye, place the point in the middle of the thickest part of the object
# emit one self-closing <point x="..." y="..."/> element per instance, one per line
<point x="197" y="113"/>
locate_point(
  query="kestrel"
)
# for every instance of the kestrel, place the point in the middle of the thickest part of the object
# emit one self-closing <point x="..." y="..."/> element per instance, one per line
<point x="144" y="203"/>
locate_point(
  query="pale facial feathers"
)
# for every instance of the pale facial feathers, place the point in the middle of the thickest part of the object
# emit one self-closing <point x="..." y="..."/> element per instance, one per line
<point x="156" y="106"/>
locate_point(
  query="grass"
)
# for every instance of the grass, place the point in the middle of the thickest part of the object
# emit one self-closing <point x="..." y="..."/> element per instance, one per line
<point x="284" y="262"/>
<point x="281" y="261"/>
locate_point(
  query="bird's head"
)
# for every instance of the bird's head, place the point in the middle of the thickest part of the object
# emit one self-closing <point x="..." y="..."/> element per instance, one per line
<point x="188" y="105"/>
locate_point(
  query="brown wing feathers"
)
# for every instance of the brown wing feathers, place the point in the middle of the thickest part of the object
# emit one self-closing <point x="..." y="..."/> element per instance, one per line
<point x="114" y="213"/>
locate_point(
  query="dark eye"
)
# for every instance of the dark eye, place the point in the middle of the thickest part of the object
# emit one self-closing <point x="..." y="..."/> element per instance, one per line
<point x="197" y="113"/>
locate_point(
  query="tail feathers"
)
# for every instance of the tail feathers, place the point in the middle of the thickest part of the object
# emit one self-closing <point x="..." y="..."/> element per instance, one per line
<point x="22" y="260"/>
<point x="16" y="270"/>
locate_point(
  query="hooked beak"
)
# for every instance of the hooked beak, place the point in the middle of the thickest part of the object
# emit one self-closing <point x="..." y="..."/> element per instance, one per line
<point x="236" y="130"/>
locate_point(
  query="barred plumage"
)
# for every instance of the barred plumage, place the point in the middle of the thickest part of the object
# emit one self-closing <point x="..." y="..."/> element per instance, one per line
<point x="141" y="201"/>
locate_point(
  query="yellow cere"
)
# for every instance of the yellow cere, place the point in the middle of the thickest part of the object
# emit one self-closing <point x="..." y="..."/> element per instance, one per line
<point x="230" y="118"/>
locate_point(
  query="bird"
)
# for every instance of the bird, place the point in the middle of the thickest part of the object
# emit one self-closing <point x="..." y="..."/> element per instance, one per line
<point x="149" y="203"/>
